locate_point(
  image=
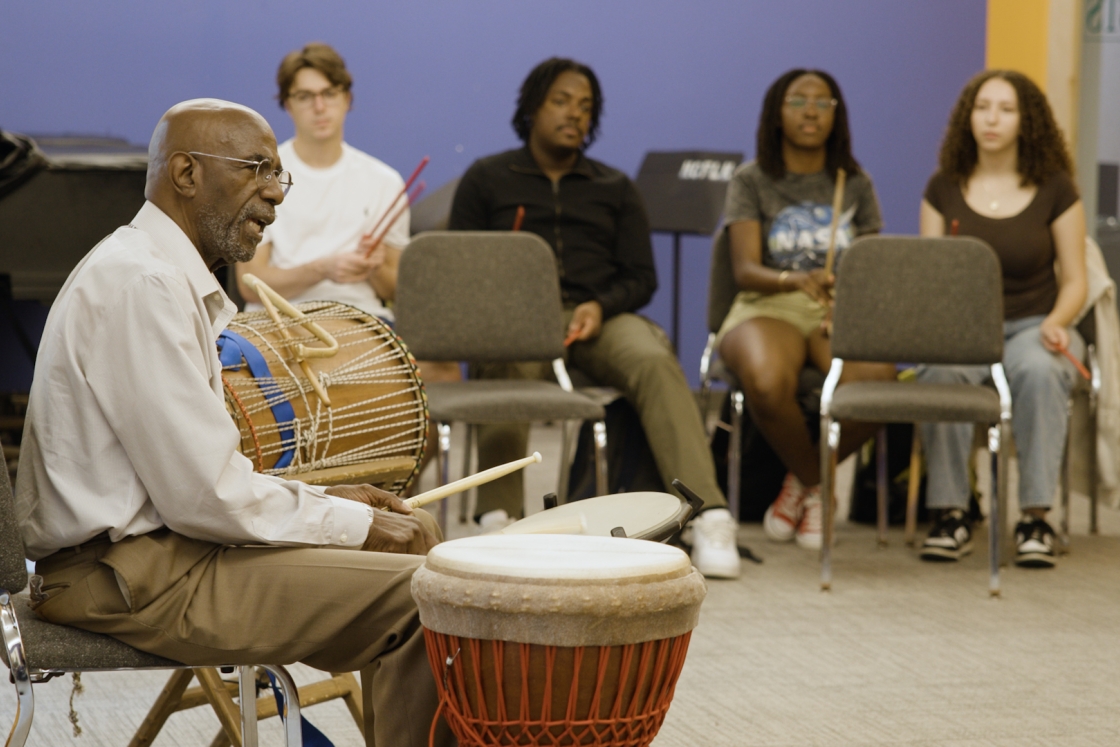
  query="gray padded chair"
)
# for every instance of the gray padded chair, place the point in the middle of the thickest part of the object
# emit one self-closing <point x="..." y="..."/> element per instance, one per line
<point x="36" y="651"/>
<point x="483" y="297"/>
<point x="918" y="300"/>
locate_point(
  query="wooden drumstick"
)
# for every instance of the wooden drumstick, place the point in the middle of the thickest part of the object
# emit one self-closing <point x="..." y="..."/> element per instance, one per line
<point x="402" y="193"/>
<point x="837" y="204"/>
<point x="471" y="481"/>
<point x="396" y="216"/>
<point x="517" y="219"/>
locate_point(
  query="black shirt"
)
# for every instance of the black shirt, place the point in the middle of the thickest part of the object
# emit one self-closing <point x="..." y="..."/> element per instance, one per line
<point x="593" y="219"/>
<point x="1023" y="241"/>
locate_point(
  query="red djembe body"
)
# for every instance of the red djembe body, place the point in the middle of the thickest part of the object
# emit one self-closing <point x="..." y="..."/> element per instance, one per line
<point x="556" y="639"/>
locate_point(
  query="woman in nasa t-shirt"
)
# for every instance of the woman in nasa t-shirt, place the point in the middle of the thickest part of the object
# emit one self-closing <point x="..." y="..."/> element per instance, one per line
<point x="778" y="218"/>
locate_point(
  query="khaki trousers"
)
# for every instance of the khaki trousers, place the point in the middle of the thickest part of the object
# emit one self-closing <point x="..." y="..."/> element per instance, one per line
<point x="634" y="356"/>
<point x="205" y="604"/>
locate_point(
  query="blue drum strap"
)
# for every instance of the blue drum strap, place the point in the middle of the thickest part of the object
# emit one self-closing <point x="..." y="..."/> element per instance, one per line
<point x="232" y="347"/>
<point x="312" y="737"/>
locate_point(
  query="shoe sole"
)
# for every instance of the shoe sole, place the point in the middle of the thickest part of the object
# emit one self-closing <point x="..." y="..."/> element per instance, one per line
<point x="720" y="573"/>
<point x="1035" y="560"/>
<point x="944" y="554"/>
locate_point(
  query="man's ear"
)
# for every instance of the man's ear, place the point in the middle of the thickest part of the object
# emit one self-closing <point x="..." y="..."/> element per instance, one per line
<point x="183" y="174"/>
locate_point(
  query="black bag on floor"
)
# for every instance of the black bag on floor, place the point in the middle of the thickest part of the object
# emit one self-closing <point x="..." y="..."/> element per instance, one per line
<point x="630" y="464"/>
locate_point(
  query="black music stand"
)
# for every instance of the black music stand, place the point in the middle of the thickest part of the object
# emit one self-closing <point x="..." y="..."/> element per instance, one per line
<point x="684" y="193"/>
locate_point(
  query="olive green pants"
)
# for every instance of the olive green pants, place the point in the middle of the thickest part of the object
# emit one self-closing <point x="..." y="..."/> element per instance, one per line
<point x="632" y="355"/>
<point x="205" y="604"/>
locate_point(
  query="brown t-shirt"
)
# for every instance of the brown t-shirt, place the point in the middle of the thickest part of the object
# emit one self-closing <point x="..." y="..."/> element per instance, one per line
<point x="1023" y="242"/>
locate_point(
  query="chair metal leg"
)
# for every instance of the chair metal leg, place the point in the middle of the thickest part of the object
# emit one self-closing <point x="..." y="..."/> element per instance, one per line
<point x="830" y="441"/>
<point x="567" y="435"/>
<point x="1063" y="522"/>
<point x="602" y="483"/>
<point x="996" y="446"/>
<point x="465" y="497"/>
<point x="443" y="431"/>
<point x="735" y="452"/>
<point x="247" y="679"/>
<point x="293" y="730"/>
<point x="881" y="486"/>
<point x="20" y="673"/>
<point x="913" y="486"/>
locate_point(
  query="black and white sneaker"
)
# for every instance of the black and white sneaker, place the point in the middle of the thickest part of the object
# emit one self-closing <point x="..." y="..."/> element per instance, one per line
<point x="1035" y="541"/>
<point x="950" y="538"/>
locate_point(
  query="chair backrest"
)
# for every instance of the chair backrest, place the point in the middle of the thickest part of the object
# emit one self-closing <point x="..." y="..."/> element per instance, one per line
<point x="13" y="566"/>
<point x="721" y="281"/>
<point x="479" y="296"/>
<point x="919" y="300"/>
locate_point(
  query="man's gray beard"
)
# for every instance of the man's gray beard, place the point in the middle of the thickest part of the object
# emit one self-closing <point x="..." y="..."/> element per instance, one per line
<point x="222" y="238"/>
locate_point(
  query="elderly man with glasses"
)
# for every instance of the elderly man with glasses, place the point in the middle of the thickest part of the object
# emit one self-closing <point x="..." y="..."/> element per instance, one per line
<point x="146" y="521"/>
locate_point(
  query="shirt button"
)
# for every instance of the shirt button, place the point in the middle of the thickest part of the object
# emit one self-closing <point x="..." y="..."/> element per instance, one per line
<point x="342" y="537"/>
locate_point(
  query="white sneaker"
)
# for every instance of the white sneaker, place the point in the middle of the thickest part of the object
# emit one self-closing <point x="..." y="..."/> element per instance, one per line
<point x="493" y="521"/>
<point x="783" y="516"/>
<point x="715" y="552"/>
<point x="809" y="534"/>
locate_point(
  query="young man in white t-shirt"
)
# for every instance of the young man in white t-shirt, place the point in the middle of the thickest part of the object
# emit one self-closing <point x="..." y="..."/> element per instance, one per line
<point x="316" y="248"/>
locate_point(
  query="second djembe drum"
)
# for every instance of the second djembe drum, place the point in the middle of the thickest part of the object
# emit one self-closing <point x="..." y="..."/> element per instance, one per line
<point x="556" y="639"/>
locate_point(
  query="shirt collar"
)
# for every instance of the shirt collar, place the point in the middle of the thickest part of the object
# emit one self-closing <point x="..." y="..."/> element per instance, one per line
<point x="178" y="249"/>
<point x="524" y="162"/>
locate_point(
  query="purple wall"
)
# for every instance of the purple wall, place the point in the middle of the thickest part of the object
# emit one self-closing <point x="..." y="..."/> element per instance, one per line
<point x="440" y="77"/>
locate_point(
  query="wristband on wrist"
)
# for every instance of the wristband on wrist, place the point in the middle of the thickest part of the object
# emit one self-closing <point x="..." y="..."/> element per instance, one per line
<point x="782" y="279"/>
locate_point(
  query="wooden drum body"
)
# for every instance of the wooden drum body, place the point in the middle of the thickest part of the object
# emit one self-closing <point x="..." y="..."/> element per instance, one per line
<point x="556" y="639"/>
<point x="375" y="426"/>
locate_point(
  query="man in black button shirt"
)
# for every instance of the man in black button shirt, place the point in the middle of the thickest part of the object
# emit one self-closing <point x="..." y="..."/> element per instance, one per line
<point x="593" y="218"/>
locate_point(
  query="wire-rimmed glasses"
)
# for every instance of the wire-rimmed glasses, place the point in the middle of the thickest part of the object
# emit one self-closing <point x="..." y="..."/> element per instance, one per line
<point x="265" y="172"/>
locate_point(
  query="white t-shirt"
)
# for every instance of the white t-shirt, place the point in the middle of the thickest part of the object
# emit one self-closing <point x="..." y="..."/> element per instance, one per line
<point x="327" y="211"/>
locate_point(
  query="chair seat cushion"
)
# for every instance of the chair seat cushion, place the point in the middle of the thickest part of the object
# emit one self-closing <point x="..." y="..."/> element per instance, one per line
<point x="507" y="400"/>
<point x="50" y="646"/>
<point x="912" y="402"/>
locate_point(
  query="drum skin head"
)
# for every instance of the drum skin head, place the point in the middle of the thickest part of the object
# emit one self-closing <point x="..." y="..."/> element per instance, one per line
<point x="644" y="515"/>
<point x="558" y="590"/>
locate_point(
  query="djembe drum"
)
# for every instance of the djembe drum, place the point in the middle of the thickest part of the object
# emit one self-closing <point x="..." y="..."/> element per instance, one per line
<point x="357" y="414"/>
<point x="556" y="639"/>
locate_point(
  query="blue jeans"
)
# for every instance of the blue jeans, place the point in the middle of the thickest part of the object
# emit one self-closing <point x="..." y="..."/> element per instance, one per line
<point x="1041" y="382"/>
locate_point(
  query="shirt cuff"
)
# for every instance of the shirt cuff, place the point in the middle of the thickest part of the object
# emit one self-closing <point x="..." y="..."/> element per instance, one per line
<point x="352" y="521"/>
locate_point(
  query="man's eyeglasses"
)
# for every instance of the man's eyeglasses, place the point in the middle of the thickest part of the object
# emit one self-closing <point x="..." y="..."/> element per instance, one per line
<point x="265" y="172"/>
<point x="330" y="96"/>
<point x="798" y="103"/>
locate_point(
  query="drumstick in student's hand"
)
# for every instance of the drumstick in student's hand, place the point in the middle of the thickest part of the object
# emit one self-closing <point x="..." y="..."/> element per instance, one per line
<point x="396" y="216"/>
<point x="837" y="203"/>
<point x="519" y="218"/>
<point x="954" y="227"/>
<point x="471" y="481"/>
<point x="402" y="193"/>
<point x="1080" y="366"/>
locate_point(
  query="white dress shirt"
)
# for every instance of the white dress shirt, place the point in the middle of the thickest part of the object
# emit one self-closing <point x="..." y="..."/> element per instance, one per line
<point x="127" y="429"/>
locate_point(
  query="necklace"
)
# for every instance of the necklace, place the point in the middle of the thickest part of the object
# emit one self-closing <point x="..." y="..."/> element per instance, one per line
<point x="993" y="202"/>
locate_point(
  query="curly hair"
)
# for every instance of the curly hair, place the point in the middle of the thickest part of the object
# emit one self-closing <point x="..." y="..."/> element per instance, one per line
<point x="838" y="147"/>
<point x="1042" y="149"/>
<point x="317" y="56"/>
<point x="535" y="89"/>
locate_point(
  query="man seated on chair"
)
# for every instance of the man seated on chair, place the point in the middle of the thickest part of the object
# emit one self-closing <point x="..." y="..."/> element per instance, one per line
<point x="593" y="217"/>
<point x="316" y="248"/>
<point x="147" y="523"/>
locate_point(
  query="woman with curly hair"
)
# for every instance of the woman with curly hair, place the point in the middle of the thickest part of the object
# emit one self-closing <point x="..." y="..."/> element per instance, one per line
<point x="778" y="214"/>
<point x="1005" y="177"/>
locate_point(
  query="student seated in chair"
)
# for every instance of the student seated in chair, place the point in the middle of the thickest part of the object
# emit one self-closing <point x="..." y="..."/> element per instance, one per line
<point x="593" y="218"/>
<point x="778" y="216"/>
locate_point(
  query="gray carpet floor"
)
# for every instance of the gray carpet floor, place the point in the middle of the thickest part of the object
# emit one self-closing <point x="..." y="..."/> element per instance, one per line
<point x="898" y="653"/>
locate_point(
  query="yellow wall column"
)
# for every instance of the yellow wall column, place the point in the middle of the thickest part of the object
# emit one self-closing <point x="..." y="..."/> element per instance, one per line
<point x="1042" y="39"/>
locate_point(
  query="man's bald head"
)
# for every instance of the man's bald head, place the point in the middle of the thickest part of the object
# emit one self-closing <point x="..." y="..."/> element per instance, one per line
<point x="197" y="176"/>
